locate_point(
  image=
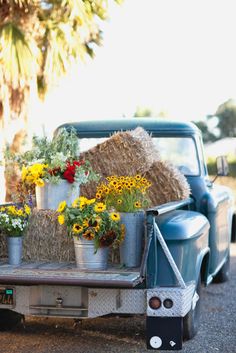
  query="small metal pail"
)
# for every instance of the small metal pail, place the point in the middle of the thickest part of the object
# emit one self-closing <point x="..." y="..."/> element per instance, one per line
<point x="14" y="246"/>
<point x="85" y="257"/>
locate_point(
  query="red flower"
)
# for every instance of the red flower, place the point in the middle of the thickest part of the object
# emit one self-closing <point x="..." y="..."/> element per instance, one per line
<point x="69" y="173"/>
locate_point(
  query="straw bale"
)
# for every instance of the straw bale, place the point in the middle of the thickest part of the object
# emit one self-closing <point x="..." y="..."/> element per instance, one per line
<point x="133" y="152"/>
<point x="3" y="246"/>
<point x="168" y="183"/>
<point x="46" y="239"/>
<point x="124" y="153"/>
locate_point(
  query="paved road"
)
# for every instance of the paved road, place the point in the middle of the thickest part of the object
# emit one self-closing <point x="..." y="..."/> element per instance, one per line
<point x="115" y="335"/>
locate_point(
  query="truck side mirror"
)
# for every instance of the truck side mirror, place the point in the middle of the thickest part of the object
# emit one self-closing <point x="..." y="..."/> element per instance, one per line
<point x="222" y="166"/>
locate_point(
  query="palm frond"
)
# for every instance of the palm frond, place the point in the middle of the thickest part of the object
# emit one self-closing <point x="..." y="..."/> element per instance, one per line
<point x="17" y="55"/>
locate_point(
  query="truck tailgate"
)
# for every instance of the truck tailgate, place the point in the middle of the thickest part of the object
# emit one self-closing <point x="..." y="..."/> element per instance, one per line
<point x="67" y="274"/>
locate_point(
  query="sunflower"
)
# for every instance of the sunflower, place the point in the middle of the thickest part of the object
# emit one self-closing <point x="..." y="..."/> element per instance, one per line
<point x="138" y="177"/>
<point x="115" y="216"/>
<point x="119" y="201"/>
<point x="61" y="206"/>
<point x="89" y="234"/>
<point x="100" y="207"/>
<point x="138" y="204"/>
<point x="77" y="228"/>
<point x="90" y="202"/>
<point x="61" y="219"/>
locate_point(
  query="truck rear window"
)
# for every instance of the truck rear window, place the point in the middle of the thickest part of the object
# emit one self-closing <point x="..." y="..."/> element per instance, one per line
<point x="180" y="151"/>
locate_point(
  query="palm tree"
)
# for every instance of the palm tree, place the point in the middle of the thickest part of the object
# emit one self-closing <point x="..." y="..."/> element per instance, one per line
<point x="39" y="39"/>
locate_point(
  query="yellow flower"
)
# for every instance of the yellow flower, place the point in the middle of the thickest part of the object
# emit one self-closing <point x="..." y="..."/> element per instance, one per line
<point x="39" y="182"/>
<point x="98" y="195"/>
<point x="19" y="213"/>
<point x="85" y="223"/>
<point x="77" y="228"/>
<point x="138" y="177"/>
<point x="27" y="210"/>
<point x="61" y="219"/>
<point x="2" y="209"/>
<point x="100" y="207"/>
<point x="12" y="210"/>
<point x="138" y="204"/>
<point x="91" y="201"/>
<point x="61" y="206"/>
<point x="89" y="234"/>
<point x="115" y="216"/>
<point x="119" y="201"/>
<point x="75" y="202"/>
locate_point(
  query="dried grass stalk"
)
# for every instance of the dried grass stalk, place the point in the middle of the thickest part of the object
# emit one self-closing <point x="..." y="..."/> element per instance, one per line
<point x="168" y="184"/>
<point x="46" y="239"/>
<point x="133" y="152"/>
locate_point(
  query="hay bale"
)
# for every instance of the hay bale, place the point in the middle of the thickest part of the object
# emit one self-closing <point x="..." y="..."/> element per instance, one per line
<point x="133" y="152"/>
<point x="168" y="184"/>
<point x="124" y="153"/>
<point x="3" y="246"/>
<point x="46" y="239"/>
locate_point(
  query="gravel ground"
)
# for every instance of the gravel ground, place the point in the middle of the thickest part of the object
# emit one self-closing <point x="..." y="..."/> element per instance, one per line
<point x="120" y="335"/>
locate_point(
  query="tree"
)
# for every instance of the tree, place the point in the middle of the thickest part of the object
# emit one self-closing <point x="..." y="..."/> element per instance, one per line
<point x="207" y="135"/>
<point x="39" y="40"/>
<point x="147" y="112"/>
<point x="226" y="114"/>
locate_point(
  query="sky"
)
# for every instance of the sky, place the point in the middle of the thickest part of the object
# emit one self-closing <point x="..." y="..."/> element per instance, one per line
<point x="176" y="56"/>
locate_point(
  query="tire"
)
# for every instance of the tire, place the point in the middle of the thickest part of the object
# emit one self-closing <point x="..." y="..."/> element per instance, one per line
<point x="9" y="319"/>
<point x="223" y="275"/>
<point x="191" y="321"/>
<point x="233" y="231"/>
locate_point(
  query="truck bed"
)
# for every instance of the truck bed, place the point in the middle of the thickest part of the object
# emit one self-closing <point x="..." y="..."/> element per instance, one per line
<point x="30" y="273"/>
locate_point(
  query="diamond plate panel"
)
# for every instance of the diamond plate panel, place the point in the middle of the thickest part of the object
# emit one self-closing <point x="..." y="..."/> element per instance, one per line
<point x="181" y="297"/>
<point x="106" y="301"/>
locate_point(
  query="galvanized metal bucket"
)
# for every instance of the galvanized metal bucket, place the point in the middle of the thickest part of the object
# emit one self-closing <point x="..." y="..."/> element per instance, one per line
<point x="14" y="247"/>
<point x="85" y="257"/>
<point x="50" y="195"/>
<point x="131" y="247"/>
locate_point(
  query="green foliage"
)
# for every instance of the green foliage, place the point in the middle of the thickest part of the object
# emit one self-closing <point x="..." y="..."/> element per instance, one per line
<point x="207" y="135"/>
<point x="39" y="40"/>
<point x="14" y="220"/>
<point x="226" y="114"/>
<point x="64" y="146"/>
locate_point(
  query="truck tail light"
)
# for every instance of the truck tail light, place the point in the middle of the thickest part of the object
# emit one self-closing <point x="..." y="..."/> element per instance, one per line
<point x="154" y="303"/>
<point x="168" y="303"/>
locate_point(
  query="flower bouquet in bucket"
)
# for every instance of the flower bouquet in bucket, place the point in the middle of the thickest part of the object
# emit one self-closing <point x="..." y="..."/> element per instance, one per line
<point x="13" y="223"/>
<point x="93" y="229"/>
<point x="127" y="195"/>
<point x="55" y="168"/>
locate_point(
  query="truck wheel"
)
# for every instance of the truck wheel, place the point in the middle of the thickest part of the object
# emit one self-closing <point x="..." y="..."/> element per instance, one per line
<point x="223" y="275"/>
<point x="9" y="319"/>
<point x="192" y="320"/>
<point x="233" y="231"/>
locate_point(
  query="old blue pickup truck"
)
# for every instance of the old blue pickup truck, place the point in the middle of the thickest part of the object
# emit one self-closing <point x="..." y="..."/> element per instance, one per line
<point x="186" y="245"/>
